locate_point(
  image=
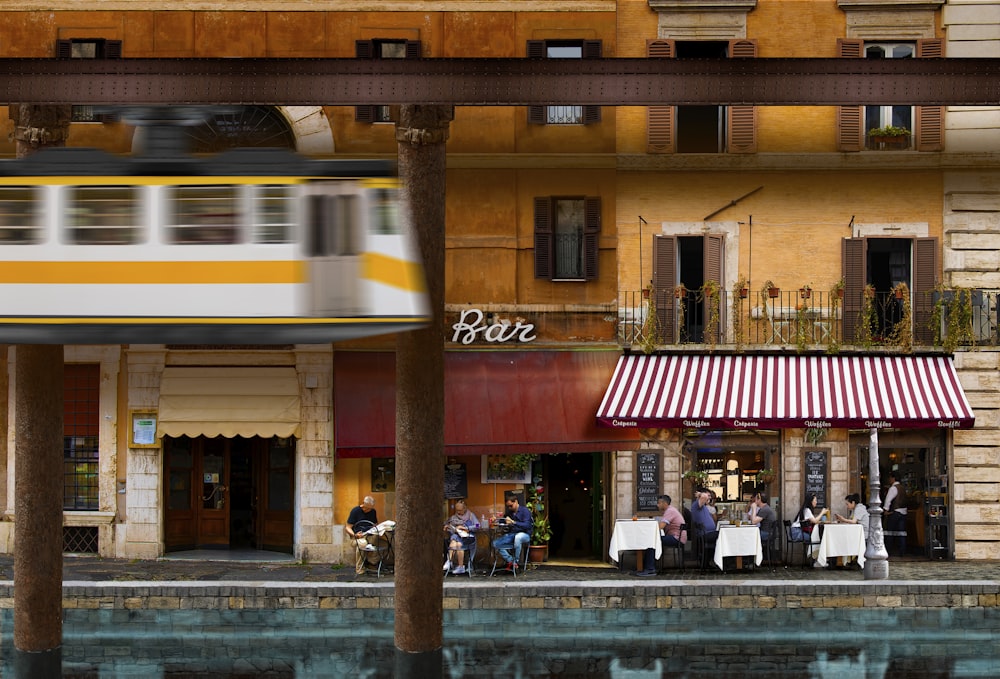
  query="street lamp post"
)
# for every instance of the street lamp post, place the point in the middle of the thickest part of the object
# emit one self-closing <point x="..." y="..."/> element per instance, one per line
<point x="876" y="556"/>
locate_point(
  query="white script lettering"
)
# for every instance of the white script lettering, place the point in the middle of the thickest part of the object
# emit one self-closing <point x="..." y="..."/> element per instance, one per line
<point x="472" y="322"/>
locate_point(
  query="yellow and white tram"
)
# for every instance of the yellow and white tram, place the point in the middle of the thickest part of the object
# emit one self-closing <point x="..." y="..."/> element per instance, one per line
<point x="259" y="246"/>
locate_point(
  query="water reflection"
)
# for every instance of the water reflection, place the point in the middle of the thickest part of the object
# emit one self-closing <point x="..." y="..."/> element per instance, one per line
<point x="613" y="644"/>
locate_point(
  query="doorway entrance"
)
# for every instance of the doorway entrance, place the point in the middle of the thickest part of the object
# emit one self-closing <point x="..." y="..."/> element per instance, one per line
<point x="575" y="486"/>
<point x="228" y="493"/>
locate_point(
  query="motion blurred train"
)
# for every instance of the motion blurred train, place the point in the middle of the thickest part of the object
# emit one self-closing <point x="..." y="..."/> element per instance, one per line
<point x="248" y="246"/>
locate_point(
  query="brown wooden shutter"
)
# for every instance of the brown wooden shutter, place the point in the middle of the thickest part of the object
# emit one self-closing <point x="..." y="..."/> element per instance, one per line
<point x="660" y="127"/>
<point x="714" y="251"/>
<point x="112" y="49"/>
<point x="64" y="49"/>
<point x="742" y="120"/>
<point x="929" y="124"/>
<point x="850" y="119"/>
<point x="591" y="237"/>
<point x="925" y="252"/>
<point x="413" y="49"/>
<point x="536" y="50"/>
<point x="664" y="280"/>
<point x="854" y="272"/>
<point x="543" y="238"/>
<point x="591" y="50"/>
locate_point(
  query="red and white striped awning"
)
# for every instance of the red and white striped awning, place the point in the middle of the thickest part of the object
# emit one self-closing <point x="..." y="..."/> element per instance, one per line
<point x="777" y="392"/>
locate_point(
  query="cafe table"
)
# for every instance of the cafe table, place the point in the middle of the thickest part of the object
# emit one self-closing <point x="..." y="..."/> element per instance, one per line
<point x="841" y="539"/>
<point x="640" y="535"/>
<point x="738" y="541"/>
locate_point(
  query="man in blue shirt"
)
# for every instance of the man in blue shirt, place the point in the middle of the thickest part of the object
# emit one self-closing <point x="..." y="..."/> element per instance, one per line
<point x="519" y="524"/>
<point x="703" y="522"/>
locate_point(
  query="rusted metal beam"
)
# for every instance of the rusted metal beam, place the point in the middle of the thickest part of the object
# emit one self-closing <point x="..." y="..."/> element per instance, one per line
<point x="502" y="82"/>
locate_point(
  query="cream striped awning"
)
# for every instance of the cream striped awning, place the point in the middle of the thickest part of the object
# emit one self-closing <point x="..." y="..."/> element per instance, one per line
<point x="777" y="392"/>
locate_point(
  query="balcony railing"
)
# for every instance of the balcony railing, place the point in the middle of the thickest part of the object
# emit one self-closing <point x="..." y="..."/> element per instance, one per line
<point x="807" y="320"/>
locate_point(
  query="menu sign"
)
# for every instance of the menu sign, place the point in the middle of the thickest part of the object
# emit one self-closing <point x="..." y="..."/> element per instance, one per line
<point x="647" y="481"/>
<point x="456" y="482"/>
<point x="816" y="476"/>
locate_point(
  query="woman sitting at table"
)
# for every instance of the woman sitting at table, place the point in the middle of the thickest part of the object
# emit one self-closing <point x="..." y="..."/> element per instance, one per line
<point x="806" y="521"/>
<point x="461" y="529"/>
<point x="856" y="513"/>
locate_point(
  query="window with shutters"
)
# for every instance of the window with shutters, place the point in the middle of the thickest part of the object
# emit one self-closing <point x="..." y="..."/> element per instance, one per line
<point x="567" y="238"/>
<point x="382" y="49"/>
<point x="90" y="48"/>
<point x="701" y="129"/>
<point x="883" y="263"/>
<point x="925" y="123"/>
<point x="564" y="49"/>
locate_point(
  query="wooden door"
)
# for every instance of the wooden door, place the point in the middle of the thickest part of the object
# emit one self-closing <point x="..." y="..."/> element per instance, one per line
<point x="276" y="484"/>
<point x="213" y="512"/>
<point x="179" y="527"/>
<point x="196" y="512"/>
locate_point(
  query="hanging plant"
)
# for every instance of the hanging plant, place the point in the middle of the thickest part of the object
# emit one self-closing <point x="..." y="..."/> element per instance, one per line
<point x="960" y="321"/>
<point x="740" y="292"/>
<point x="867" y="317"/>
<point x="902" y="332"/>
<point x="836" y="295"/>
<point x="815" y="434"/>
<point x="802" y="324"/>
<point x="711" y="294"/>
<point x="651" y="335"/>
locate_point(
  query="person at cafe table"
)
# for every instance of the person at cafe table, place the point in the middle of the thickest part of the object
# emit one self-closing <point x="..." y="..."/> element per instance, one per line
<point x="671" y="534"/>
<point x="856" y="513"/>
<point x="761" y="515"/>
<point x="806" y="521"/>
<point x="519" y="524"/>
<point x="703" y="519"/>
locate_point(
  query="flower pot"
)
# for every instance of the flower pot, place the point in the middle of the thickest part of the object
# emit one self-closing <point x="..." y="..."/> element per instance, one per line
<point x="645" y="293"/>
<point x="538" y="553"/>
<point x="805" y="293"/>
<point x="773" y="292"/>
<point x="899" y="294"/>
<point x="744" y="293"/>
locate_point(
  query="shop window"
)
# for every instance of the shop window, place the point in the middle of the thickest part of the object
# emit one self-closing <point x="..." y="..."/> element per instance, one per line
<point x="382" y="49"/>
<point x="567" y="238"/>
<point x="89" y="48"/>
<point x="564" y="49"/>
<point x="81" y="394"/>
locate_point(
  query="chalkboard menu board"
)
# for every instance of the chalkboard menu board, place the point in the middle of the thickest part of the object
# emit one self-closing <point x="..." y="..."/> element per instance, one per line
<point x="816" y="473"/>
<point x="647" y="481"/>
<point x="456" y="482"/>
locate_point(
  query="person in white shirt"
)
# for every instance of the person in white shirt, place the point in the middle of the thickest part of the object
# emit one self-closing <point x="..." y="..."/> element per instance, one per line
<point x="894" y="513"/>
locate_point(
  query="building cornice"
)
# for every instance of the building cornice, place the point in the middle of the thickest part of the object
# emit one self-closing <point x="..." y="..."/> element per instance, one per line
<point x="702" y="5"/>
<point x="883" y="5"/>
<point x="313" y="5"/>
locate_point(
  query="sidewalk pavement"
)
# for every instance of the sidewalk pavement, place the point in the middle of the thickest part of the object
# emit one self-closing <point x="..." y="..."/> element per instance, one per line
<point x="96" y="569"/>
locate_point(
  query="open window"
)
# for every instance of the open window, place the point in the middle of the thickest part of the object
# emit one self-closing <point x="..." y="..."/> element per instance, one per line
<point x="687" y="262"/>
<point x="567" y="237"/>
<point x="925" y="123"/>
<point x="564" y="49"/>
<point x="382" y="49"/>
<point x="701" y="129"/>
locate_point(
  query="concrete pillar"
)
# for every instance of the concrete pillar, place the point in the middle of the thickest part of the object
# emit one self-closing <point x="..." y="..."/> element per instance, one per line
<point x="421" y="132"/>
<point x="38" y="478"/>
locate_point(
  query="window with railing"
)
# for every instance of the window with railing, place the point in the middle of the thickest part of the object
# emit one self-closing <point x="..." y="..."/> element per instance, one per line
<point x="567" y="233"/>
<point x="564" y="49"/>
<point x="81" y="420"/>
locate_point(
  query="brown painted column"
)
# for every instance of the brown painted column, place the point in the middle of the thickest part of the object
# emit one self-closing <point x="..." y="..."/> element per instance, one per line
<point x="38" y="479"/>
<point x="421" y="132"/>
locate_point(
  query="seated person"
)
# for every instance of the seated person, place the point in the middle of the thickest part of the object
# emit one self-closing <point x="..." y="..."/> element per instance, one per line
<point x="519" y="524"/>
<point x="763" y="516"/>
<point x="461" y="528"/>
<point x="364" y="512"/>
<point x="856" y="513"/>
<point x="703" y="519"/>
<point x="805" y="521"/>
<point x="671" y="534"/>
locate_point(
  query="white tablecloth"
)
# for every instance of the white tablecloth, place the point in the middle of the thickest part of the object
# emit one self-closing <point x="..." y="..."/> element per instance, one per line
<point x="738" y="541"/>
<point x="842" y="539"/>
<point x="641" y="534"/>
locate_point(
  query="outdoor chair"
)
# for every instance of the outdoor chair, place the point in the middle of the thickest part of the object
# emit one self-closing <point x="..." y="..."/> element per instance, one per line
<point x="469" y="550"/>
<point x="376" y="545"/>
<point x="790" y="545"/>
<point x="676" y="550"/>
<point x="499" y="564"/>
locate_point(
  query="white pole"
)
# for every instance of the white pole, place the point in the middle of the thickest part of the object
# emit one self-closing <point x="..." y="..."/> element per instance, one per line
<point x="876" y="556"/>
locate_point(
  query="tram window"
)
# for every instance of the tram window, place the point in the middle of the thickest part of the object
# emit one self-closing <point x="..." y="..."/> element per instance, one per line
<point x="204" y="215"/>
<point x="20" y="215"/>
<point x="385" y="212"/>
<point x="273" y="215"/>
<point x="103" y="215"/>
<point x="346" y="222"/>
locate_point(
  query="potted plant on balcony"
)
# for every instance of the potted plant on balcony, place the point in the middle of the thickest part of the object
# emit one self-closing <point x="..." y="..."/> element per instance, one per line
<point x="541" y="529"/>
<point x="888" y="137"/>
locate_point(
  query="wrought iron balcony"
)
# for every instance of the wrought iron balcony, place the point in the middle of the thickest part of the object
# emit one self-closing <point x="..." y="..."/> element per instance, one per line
<point x="806" y="320"/>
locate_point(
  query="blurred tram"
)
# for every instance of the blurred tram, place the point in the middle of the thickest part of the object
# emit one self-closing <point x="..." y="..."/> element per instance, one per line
<point x="249" y="246"/>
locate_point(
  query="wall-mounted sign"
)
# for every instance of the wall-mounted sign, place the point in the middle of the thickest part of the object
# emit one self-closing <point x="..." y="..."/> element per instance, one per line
<point x="816" y="476"/>
<point x="472" y="323"/>
<point x="142" y="432"/>
<point x="647" y="481"/>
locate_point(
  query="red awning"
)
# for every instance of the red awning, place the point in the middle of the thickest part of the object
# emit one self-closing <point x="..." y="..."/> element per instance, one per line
<point x="496" y="402"/>
<point x="776" y="392"/>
